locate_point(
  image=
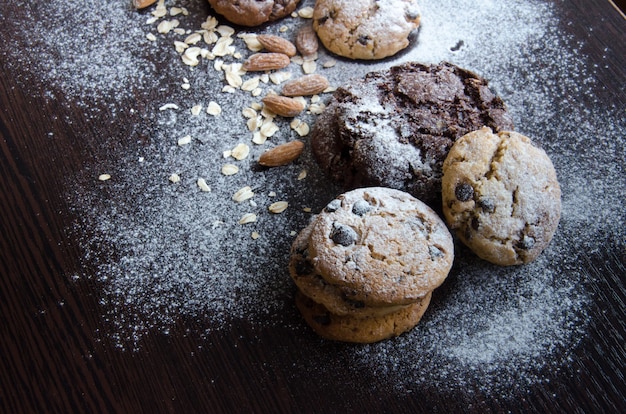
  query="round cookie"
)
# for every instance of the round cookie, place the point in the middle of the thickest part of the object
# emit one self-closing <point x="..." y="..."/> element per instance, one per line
<point x="380" y="246"/>
<point x="311" y="284"/>
<point x="253" y="12"/>
<point x="394" y="128"/>
<point x="365" y="29"/>
<point x="366" y="329"/>
<point x="501" y="195"/>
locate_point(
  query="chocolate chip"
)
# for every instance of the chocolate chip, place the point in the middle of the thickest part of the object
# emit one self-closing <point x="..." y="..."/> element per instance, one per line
<point x="526" y="243"/>
<point x="343" y="235"/>
<point x="475" y="223"/>
<point x="412" y="14"/>
<point x="363" y="40"/>
<point x="322" y="319"/>
<point x="435" y="253"/>
<point x="304" y="267"/>
<point x="333" y="206"/>
<point x="464" y="192"/>
<point x="487" y="205"/>
<point x="361" y="207"/>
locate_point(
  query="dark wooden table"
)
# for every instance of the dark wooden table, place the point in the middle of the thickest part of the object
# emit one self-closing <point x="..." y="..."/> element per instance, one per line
<point x="56" y="354"/>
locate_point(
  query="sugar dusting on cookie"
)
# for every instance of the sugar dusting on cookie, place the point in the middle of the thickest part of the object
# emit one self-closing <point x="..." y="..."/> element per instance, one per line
<point x="166" y="251"/>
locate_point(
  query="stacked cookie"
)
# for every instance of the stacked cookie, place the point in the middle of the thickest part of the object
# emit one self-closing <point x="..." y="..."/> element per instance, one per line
<point x="366" y="266"/>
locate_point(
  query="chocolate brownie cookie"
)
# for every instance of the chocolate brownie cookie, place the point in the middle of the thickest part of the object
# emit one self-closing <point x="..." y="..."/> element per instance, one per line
<point x="501" y="195"/>
<point x="253" y="12"/>
<point x="365" y="29"/>
<point x="394" y="128"/>
<point x="381" y="247"/>
<point x="367" y="329"/>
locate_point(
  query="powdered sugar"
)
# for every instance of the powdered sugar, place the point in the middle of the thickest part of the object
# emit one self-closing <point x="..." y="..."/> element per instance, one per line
<point x="78" y="49"/>
<point x="166" y="251"/>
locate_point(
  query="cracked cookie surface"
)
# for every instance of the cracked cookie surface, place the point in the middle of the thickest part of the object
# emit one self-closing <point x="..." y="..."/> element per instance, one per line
<point x="381" y="247"/>
<point x="370" y="29"/>
<point x="501" y="196"/>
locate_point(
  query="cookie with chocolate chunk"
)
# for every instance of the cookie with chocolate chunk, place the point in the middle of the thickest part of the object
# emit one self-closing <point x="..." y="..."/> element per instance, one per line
<point x="394" y="128"/>
<point x="312" y="285"/>
<point x="501" y="195"/>
<point x="365" y="29"/>
<point x="380" y="247"/>
<point x="253" y="12"/>
<point x="366" y="329"/>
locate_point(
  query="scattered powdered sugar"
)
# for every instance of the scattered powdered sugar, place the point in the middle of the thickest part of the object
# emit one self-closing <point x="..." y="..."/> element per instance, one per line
<point x="77" y="47"/>
<point x="165" y="249"/>
<point x="493" y="330"/>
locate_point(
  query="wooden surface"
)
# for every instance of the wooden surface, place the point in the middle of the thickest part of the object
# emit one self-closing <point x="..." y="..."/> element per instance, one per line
<point x="54" y="356"/>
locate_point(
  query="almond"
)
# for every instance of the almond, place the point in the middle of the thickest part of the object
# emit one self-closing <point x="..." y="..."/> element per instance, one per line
<point x="277" y="44"/>
<point x="260" y="62"/>
<point x="306" y="85"/>
<point x="306" y="41"/>
<point x="282" y="154"/>
<point x="283" y="105"/>
<point x="140" y="4"/>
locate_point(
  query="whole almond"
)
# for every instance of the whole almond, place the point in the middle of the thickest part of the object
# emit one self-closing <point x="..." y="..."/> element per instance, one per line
<point x="306" y="41"/>
<point x="277" y="44"/>
<point x="260" y="62"/>
<point x="283" y="105"/>
<point x="306" y="85"/>
<point x="140" y="4"/>
<point x="282" y="154"/>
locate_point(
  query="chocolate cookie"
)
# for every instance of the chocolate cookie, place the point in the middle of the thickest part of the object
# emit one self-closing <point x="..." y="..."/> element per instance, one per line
<point x="365" y="29"/>
<point x="501" y="195"/>
<point x="381" y="247"/>
<point x="394" y="128"/>
<point x="253" y="12"/>
<point x="367" y="329"/>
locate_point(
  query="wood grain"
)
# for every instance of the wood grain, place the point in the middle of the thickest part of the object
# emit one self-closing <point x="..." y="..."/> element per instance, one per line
<point x="55" y="358"/>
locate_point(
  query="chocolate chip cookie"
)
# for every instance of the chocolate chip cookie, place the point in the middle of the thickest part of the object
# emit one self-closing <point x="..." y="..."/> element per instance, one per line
<point x="365" y="329"/>
<point x="501" y="195"/>
<point x="253" y="12"/>
<point x="312" y="285"/>
<point x="395" y="127"/>
<point x="381" y="247"/>
<point x="366" y="266"/>
<point x="365" y="29"/>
